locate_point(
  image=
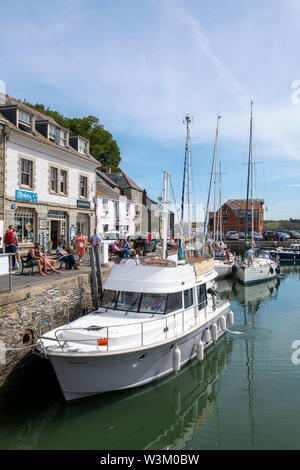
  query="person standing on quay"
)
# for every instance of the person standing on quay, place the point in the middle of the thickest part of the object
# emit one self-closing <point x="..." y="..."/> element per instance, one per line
<point x="10" y="247"/>
<point x="80" y="245"/>
<point x="96" y="239"/>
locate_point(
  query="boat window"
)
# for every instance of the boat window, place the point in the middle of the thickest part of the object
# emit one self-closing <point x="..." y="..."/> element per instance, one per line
<point x="174" y="302"/>
<point x="153" y="303"/>
<point x="128" y="301"/>
<point x="202" y="296"/>
<point x="109" y="298"/>
<point x="188" y="298"/>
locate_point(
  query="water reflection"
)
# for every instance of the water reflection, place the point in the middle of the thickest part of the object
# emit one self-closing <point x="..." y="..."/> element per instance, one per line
<point x="164" y="415"/>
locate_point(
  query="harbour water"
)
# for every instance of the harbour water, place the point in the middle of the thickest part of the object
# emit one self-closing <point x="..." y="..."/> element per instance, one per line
<point x="245" y="394"/>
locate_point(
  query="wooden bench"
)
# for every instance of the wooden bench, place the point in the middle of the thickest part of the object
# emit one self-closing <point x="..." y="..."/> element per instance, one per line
<point x="27" y="264"/>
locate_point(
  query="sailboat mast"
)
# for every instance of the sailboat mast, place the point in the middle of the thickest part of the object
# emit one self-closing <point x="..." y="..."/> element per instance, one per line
<point x="215" y="180"/>
<point x="248" y="181"/>
<point x="188" y="120"/>
<point x="208" y="197"/>
<point x="220" y="203"/>
<point x="165" y="214"/>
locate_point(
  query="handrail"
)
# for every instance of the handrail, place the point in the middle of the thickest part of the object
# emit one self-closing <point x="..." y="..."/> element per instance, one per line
<point x="181" y="313"/>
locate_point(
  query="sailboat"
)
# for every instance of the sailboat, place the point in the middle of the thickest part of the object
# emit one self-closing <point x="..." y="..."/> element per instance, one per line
<point x="260" y="267"/>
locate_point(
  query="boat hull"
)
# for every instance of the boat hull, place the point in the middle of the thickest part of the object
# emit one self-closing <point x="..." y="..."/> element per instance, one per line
<point x="223" y="269"/>
<point x="249" y="276"/>
<point x="83" y="375"/>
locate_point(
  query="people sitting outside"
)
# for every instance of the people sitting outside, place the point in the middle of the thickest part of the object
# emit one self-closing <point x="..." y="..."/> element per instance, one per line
<point x="38" y="259"/>
<point x="62" y="255"/>
<point x="127" y="249"/>
<point x="62" y="240"/>
<point x="47" y="263"/>
<point x="115" y="248"/>
<point x="140" y="246"/>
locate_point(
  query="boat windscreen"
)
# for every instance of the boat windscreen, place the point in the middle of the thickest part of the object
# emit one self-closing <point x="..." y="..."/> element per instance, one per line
<point x="108" y="299"/>
<point x="153" y="303"/>
<point x="128" y="301"/>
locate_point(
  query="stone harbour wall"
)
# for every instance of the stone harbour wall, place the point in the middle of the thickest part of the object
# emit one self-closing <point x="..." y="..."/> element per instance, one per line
<point x="30" y="312"/>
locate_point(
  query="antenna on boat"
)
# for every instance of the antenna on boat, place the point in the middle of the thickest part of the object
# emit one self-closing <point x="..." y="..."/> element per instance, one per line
<point x="186" y="175"/>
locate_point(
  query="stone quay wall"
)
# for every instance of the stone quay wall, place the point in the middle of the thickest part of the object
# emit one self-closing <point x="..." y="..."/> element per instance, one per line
<point x="29" y="312"/>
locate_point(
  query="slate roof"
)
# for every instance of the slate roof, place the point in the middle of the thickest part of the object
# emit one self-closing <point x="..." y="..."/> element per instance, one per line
<point x="35" y="134"/>
<point x="123" y="181"/>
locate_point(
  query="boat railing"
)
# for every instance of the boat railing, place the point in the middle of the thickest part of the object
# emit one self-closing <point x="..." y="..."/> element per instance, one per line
<point x="173" y="326"/>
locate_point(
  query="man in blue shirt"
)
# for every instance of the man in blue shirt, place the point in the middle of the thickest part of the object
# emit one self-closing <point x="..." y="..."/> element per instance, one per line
<point x="95" y="239"/>
<point x="62" y="255"/>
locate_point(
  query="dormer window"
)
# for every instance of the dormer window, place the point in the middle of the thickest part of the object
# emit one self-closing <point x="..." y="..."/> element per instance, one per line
<point x="63" y="138"/>
<point x="52" y="133"/>
<point x="24" y="120"/>
<point x="82" y="146"/>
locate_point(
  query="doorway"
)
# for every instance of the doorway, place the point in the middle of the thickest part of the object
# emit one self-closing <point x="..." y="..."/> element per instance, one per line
<point x="55" y="233"/>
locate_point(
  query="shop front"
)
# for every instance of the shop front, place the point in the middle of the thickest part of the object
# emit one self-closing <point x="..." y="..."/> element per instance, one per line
<point x="57" y="227"/>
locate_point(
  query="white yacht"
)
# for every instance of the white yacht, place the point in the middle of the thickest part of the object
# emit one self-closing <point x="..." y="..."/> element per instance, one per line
<point x="262" y="268"/>
<point x="155" y="316"/>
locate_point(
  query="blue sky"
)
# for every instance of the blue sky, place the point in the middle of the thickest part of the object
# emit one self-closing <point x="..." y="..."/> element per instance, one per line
<point x="142" y="65"/>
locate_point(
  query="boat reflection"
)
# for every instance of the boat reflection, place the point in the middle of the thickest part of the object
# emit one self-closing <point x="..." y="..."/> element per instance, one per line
<point x="255" y="293"/>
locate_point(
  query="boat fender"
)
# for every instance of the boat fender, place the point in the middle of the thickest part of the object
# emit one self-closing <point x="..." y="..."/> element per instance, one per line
<point x="200" y="351"/>
<point x="176" y="359"/>
<point x="277" y="269"/>
<point x="271" y="270"/>
<point x="214" y="332"/>
<point x="207" y="336"/>
<point x="234" y="268"/>
<point x="231" y="318"/>
<point x="223" y="323"/>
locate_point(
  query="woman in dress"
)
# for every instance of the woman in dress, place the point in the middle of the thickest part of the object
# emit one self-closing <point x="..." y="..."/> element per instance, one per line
<point x="80" y="243"/>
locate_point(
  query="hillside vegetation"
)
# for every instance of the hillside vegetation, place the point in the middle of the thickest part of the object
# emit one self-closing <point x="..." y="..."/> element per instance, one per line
<point x="282" y="225"/>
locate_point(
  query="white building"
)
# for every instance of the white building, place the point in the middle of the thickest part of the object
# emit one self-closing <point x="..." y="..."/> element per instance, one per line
<point x="114" y="212"/>
<point x="49" y="177"/>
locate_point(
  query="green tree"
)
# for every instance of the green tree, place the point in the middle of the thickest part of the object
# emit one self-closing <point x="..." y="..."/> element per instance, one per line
<point x="103" y="147"/>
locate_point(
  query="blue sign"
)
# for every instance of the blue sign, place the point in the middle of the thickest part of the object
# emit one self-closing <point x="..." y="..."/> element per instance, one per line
<point x="26" y="196"/>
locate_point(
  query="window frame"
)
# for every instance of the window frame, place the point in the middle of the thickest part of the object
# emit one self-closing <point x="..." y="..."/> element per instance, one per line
<point x="85" y="196"/>
<point x="30" y="174"/>
<point x="83" y="147"/>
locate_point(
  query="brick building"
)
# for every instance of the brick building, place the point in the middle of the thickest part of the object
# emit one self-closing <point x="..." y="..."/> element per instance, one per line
<point x="234" y="216"/>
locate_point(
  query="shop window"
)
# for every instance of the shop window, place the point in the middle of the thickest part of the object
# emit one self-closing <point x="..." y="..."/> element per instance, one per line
<point x="83" y="186"/>
<point x="26" y="173"/>
<point x="24" y="224"/>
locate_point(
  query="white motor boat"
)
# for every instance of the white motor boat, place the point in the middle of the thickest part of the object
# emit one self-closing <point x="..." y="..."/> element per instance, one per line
<point x="155" y="316"/>
<point x="223" y="268"/>
<point x="261" y="268"/>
